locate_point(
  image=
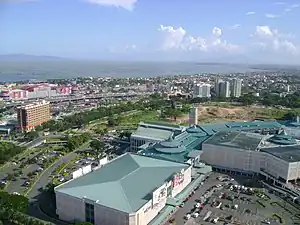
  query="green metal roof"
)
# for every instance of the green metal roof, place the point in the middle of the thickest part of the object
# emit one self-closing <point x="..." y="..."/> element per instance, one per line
<point x="125" y="184"/>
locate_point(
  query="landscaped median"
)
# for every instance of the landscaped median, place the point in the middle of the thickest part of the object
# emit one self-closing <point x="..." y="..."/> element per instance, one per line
<point x="61" y="168"/>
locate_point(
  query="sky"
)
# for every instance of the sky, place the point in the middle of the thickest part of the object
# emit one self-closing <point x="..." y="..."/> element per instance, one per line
<point x="262" y="31"/>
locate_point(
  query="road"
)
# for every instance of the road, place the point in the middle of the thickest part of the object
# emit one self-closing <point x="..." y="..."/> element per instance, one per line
<point x="189" y="205"/>
<point x="45" y="176"/>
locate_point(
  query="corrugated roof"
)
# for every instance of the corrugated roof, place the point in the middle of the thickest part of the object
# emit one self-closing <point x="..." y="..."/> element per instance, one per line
<point x="125" y="184"/>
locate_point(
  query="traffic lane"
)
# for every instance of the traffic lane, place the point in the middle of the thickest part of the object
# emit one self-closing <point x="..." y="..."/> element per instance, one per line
<point x="189" y="205"/>
<point x="45" y="177"/>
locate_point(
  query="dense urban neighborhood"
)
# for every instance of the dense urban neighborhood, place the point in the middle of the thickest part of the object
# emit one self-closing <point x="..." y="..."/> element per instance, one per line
<point x="220" y="148"/>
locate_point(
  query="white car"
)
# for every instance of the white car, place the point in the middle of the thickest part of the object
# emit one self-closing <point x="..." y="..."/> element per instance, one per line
<point x="187" y="216"/>
<point x="198" y="205"/>
<point x="195" y="215"/>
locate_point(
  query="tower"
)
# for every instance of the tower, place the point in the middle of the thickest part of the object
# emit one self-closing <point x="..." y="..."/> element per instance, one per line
<point x="193" y="116"/>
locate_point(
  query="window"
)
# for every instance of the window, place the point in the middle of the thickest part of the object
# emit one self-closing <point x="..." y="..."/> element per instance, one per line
<point x="89" y="213"/>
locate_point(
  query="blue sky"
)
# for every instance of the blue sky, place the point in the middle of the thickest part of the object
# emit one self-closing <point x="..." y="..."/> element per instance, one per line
<point x="252" y="30"/>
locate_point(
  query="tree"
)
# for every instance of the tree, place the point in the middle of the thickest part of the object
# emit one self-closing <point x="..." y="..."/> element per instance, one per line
<point x="31" y="135"/>
<point x="125" y="134"/>
<point x="247" y="99"/>
<point x="98" y="147"/>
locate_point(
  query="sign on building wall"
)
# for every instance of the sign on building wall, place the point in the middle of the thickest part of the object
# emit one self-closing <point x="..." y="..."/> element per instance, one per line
<point x="159" y="194"/>
<point x="178" y="179"/>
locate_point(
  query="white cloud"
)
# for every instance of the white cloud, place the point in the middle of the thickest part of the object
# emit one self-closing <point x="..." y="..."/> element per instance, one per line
<point x="235" y="26"/>
<point x="295" y="6"/>
<point x="177" y="39"/>
<point x="126" y="4"/>
<point x="123" y="49"/>
<point x="291" y="8"/>
<point x="173" y="37"/>
<point x="271" y="16"/>
<point x="217" y="32"/>
<point x="250" y="13"/>
<point x="272" y="39"/>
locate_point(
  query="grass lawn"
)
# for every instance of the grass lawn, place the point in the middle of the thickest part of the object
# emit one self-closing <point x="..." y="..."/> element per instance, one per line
<point x="133" y="120"/>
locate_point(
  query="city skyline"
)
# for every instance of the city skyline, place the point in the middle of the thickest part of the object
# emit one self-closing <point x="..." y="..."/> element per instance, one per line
<point x="152" y="30"/>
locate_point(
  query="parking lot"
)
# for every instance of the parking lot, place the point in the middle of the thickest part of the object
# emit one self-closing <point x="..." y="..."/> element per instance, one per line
<point x="23" y="172"/>
<point x="228" y="202"/>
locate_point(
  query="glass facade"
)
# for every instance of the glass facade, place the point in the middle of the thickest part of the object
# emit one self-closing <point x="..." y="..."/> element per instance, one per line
<point x="89" y="213"/>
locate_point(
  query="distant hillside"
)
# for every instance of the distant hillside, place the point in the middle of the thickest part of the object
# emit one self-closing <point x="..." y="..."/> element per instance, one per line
<point x="24" y="57"/>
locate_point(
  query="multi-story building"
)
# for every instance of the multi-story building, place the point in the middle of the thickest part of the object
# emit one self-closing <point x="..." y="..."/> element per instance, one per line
<point x="224" y="89"/>
<point x="32" y="115"/>
<point x="217" y="83"/>
<point x="236" y="88"/>
<point x="202" y="91"/>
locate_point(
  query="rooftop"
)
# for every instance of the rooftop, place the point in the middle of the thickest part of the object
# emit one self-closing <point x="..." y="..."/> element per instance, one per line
<point x="125" y="184"/>
<point x="162" y="125"/>
<point x="287" y="153"/>
<point x="242" y="140"/>
<point x="152" y="133"/>
<point x="179" y="148"/>
<point x="212" y="128"/>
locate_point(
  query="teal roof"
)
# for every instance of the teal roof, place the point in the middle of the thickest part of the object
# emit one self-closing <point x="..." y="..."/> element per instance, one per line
<point x="242" y="140"/>
<point x="152" y="133"/>
<point x="124" y="184"/>
<point x="167" y="126"/>
<point x="212" y="128"/>
<point x="188" y="142"/>
<point x="283" y="139"/>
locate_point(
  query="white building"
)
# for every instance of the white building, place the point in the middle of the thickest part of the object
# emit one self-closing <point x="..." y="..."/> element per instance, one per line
<point x="202" y="91"/>
<point x="236" y="88"/>
<point x="242" y="153"/>
<point x="122" y="192"/>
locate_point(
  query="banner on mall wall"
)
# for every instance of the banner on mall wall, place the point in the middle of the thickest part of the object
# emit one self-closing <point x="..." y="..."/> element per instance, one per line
<point x="159" y="194"/>
<point x="178" y="179"/>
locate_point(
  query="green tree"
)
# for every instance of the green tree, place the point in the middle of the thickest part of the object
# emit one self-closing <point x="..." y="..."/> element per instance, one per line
<point x="31" y="135"/>
<point x="247" y="99"/>
<point x="98" y="149"/>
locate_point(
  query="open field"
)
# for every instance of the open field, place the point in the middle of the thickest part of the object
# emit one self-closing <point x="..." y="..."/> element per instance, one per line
<point x="228" y="112"/>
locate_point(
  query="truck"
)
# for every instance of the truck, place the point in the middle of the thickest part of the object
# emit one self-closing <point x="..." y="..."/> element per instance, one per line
<point x="206" y="217"/>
